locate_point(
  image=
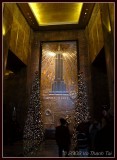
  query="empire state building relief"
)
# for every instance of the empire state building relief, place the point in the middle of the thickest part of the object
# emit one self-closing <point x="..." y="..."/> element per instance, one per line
<point x="59" y="83"/>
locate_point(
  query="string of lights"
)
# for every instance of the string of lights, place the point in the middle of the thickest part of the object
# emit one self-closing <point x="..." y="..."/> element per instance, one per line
<point x="81" y="106"/>
<point x="33" y="129"/>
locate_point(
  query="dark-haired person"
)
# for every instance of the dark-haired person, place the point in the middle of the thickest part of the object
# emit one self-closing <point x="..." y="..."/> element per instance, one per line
<point x="63" y="138"/>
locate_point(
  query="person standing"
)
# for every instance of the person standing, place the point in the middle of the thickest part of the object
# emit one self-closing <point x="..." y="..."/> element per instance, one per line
<point x="63" y="137"/>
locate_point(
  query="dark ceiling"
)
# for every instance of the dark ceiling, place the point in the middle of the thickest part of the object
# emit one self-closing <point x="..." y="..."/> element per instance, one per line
<point x="83" y="21"/>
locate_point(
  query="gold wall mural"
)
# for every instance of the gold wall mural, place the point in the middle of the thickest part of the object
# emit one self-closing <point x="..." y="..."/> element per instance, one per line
<point x="59" y="69"/>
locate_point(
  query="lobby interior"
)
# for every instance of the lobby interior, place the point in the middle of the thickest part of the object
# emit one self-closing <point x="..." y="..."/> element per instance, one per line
<point x="58" y="61"/>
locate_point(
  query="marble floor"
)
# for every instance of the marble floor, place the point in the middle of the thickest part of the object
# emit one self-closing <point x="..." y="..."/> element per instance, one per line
<point x="47" y="149"/>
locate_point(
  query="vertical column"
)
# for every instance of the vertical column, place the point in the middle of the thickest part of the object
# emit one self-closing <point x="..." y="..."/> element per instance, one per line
<point x="109" y="49"/>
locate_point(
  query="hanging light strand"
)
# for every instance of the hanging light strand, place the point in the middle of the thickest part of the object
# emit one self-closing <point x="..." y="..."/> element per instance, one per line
<point x="81" y="106"/>
<point x="33" y="129"/>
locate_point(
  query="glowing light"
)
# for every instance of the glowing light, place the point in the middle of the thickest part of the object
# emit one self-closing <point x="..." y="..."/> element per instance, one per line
<point x="52" y="54"/>
<point x="8" y="72"/>
<point x="65" y="54"/>
<point x="109" y="27"/>
<point x="66" y="13"/>
<point x="3" y="30"/>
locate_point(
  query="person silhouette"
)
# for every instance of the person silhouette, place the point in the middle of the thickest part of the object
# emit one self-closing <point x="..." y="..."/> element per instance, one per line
<point x="63" y="138"/>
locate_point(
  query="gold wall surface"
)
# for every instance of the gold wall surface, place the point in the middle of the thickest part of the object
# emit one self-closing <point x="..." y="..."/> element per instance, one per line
<point x="95" y="43"/>
<point x="7" y="20"/>
<point x="60" y="104"/>
<point x="20" y="31"/>
<point x="35" y="65"/>
<point x="58" y="36"/>
<point x="70" y="69"/>
<point x="16" y="37"/>
<point x="95" y="33"/>
<point x="112" y="15"/>
<point x="108" y="24"/>
<point x="100" y="33"/>
<point x="6" y="32"/>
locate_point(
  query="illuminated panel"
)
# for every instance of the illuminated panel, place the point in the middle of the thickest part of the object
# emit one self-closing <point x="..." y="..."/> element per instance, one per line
<point x="3" y="30"/>
<point x="56" y="13"/>
<point x="58" y="94"/>
<point x="48" y="68"/>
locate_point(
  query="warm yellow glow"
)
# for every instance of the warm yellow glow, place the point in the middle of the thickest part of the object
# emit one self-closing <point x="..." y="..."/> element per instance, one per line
<point x="3" y="30"/>
<point x="52" y="54"/>
<point x="8" y="72"/>
<point x="109" y="27"/>
<point x="56" y="13"/>
<point x="65" y="54"/>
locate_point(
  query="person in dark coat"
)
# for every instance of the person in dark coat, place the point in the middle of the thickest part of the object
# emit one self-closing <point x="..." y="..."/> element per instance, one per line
<point x="63" y="138"/>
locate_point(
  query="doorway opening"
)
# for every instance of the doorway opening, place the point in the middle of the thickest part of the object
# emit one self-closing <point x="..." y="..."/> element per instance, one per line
<point x="99" y="84"/>
<point x="14" y="99"/>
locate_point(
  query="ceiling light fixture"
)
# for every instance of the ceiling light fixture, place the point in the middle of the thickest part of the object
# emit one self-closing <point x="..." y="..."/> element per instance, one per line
<point x="66" y="13"/>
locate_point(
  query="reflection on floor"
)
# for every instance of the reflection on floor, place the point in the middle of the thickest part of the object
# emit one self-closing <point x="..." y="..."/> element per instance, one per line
<point x="47" y="149"/>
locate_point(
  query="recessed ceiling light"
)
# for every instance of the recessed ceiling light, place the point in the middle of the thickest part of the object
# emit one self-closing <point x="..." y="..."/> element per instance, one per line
<point x="85" y="13"/>
<point x="86" y="9"/>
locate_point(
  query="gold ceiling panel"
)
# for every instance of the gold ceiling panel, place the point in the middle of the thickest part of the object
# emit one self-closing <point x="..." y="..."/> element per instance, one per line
<point x="56" y="13"/>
